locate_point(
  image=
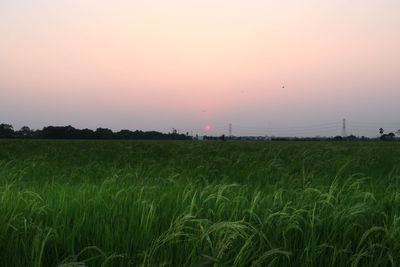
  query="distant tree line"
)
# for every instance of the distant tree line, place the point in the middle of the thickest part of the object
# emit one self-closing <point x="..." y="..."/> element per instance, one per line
<point x="69" y="132"/>
<point x="388" y="137"/>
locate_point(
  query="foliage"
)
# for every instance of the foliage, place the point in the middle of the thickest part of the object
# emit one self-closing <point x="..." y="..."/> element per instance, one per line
<point x="6" y="130"/>
<point x="69" y="132"/>
<point x="175" y="203"/>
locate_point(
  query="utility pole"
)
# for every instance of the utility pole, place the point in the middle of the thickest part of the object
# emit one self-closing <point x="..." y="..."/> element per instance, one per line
<point x="230" y="130"/>
<point x="344" y="128"/>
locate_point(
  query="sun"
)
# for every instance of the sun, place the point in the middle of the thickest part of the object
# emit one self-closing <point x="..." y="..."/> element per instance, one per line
<point x="208" y="127"/>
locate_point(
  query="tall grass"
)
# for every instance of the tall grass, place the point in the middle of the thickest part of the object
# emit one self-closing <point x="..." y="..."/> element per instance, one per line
<point x="122" y="203"/>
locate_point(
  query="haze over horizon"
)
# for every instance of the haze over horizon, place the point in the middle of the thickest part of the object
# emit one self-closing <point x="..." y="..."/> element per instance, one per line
<point x="267" y="67"/>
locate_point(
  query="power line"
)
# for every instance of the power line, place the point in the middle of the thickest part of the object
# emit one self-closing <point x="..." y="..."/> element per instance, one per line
<point x="292" y="130"/>
<point x="291" y="127"/>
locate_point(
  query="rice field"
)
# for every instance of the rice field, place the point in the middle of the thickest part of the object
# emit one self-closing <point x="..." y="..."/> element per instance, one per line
<point x="185" y="203"/>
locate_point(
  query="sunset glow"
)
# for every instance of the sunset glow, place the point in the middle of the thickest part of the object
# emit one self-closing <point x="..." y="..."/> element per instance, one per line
<point x="158" y="65"/>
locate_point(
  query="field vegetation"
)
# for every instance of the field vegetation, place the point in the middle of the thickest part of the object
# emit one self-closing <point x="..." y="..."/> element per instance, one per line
<point x="186" y="203"/>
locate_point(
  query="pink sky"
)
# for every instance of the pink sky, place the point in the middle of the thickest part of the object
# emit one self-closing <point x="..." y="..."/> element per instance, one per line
<point x="158" y="65"/>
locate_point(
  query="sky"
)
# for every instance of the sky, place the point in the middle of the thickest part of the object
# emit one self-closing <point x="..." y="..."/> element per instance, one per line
<point x="267" y="67"/>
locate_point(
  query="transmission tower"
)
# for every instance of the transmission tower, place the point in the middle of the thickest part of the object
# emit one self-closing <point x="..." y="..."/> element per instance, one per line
<point x="230" y="129"/>
<point x="344" y="128"/>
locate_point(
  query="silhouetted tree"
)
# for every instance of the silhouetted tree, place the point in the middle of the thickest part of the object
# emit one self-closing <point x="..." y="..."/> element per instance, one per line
<point x="388" y="137"/>
<point x="351" y="137"/>
<point x="86" y="134"/>
<point x="24" y="132"/>
<point x="37" y="134"/>
<point x="6" y="131"/>
<point x="59" y="132"/>
<point x="69" y="132"/>
<point x="124" y="134"/>
<point x="103" y="133"/>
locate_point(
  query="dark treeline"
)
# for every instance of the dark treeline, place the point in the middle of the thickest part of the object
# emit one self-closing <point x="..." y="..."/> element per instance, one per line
<point x="69" y="132"/>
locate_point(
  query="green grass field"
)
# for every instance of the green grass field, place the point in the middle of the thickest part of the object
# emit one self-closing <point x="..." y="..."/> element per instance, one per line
<point x="183" y="203"/>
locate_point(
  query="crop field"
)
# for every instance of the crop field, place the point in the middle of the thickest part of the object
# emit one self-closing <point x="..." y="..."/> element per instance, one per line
<point x="186" y="203"/>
